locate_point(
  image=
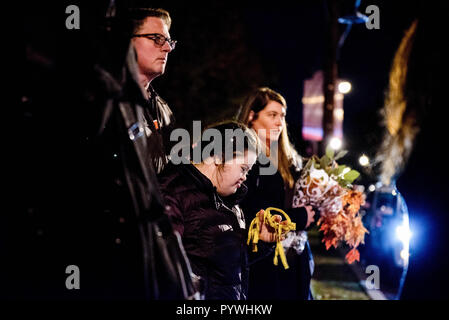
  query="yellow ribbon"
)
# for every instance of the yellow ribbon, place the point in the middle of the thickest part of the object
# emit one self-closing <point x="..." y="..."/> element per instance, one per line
<point x="255" y="227"/>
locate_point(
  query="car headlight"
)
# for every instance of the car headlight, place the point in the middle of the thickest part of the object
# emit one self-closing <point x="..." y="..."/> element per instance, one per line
<point x="403" y="233"/>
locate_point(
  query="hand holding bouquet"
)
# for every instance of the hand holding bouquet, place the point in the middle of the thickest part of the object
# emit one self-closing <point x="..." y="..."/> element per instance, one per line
<point x="326" y="185"/>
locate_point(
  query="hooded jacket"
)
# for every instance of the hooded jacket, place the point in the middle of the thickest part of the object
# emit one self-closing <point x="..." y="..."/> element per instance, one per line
<point x="212" y="229"/>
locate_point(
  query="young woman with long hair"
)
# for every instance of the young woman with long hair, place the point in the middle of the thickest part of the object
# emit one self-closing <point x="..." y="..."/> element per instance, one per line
<point x="271" y="184"/>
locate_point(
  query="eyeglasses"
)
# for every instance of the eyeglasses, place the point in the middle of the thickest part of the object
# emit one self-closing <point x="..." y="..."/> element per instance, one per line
<point x="158" y="39"/>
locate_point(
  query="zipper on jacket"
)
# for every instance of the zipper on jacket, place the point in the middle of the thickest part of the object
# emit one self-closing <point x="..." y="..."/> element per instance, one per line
<point x="238" y="215"/>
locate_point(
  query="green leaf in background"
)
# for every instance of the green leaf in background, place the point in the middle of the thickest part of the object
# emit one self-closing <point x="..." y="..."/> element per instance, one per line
<point x="312" y="163"/>
<point x="334" y="171"/>
<point x="343" y="183"/>
<point x="340" y="169"/>
<point x="351" y="175"/>
<point x="324" y="161"/>
<point x="330" y="152"/>
<point x="341" y="154"/>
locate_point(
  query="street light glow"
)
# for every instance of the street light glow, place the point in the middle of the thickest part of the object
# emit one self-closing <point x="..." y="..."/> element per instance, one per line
<point x="364" y="160"/>
<point x="338" y="114"/>
<point x="335" y="143"/>
<point x="344" y="87"/>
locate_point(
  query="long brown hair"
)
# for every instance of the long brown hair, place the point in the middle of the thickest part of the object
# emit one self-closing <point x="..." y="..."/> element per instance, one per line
<point x="400" y="119"/>
<point x="287" y="155"/>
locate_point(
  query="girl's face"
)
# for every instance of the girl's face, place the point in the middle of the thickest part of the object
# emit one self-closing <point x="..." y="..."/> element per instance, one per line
<point x="269" y="122"/>
<point x="234" y="172"/>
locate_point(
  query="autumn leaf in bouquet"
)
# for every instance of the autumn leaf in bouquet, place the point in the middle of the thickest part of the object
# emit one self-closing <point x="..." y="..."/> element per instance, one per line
<point x="327" y="186"/>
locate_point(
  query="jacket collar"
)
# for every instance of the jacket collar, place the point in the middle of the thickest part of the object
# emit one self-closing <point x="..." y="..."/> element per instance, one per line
<point x="204" y="184"/>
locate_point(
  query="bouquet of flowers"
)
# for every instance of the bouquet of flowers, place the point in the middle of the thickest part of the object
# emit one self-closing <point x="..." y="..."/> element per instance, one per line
<point x="327" y="186"/>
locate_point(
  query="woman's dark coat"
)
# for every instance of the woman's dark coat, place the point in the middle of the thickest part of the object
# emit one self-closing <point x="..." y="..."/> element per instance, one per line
<point x="267" y="281"/>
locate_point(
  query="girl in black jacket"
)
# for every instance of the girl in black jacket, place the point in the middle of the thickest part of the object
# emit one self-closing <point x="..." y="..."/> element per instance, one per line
<point x="271" y="184"/>
<point x="202" y="201"/>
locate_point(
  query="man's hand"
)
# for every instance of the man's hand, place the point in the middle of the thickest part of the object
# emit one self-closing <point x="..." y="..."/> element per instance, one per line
<point x="267" y="233"/>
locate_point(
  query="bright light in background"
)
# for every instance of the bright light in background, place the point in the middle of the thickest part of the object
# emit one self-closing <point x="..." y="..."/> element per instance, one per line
<point x="339" y="114"/>
<point x="364" y="160"/>
<point x="394" y="192"/>
<point x="372" y="188"/>
<point x="403" y="233"/>
<point x="344" y="87"/>
<point x="404" y="254"/>
<point x="335" y="143"/>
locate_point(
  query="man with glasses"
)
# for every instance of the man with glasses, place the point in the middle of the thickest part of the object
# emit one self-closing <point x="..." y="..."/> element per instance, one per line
<point x="152" y="42"/>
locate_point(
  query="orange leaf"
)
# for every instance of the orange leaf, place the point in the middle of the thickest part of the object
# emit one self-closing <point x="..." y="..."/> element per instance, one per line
<point x="353" y="255"/>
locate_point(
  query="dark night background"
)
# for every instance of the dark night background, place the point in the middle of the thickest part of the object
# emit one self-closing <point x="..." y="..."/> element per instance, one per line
<point x="226" y="48"/>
